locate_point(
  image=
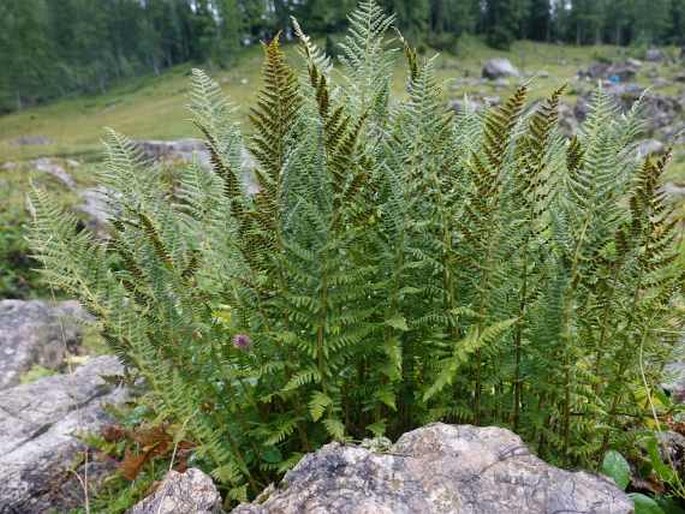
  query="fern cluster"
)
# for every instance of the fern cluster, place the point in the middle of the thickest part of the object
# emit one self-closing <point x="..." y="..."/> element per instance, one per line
<point x="397" y="265"/>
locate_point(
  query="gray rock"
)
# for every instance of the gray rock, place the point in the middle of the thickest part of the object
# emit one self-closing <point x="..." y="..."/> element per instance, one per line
<point x="36" y="332"/>
<point x="600" y="70"/>
<point x="439" y="469"/>
<point x="595" y="71"/>
<point x="654" y="55"/>
<point x="672" y="450"/>
<point x="191" y="492"/>
<point x="674" y="372"/>
<point x="32" y="141"/>
<point x="52" y="167"/>
<point x="184" y="150"/>
<point x="38" y="425"/>
<point x="660" y="82"/>
<point x="568" y="122"/>
<point x="636" y="63"/>
<point x="675" y="191"/>
<point x="98" y="207"/>
<point x="649" y="147"/>
<point x="625" y="72"/>
<point x="499" y="68"/>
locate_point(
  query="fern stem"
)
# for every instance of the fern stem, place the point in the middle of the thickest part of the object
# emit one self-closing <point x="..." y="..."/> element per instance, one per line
<point x="518" y="381"/>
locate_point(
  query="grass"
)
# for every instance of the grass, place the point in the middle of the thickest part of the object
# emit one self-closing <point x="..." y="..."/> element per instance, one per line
<point x="154" y="107"/>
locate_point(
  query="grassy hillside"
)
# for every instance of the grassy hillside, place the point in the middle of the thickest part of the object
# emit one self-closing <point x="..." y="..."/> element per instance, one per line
<point x="153" y="107"/>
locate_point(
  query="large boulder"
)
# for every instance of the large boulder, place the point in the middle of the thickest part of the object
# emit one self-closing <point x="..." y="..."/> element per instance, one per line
<point x="37" y="332"/>
<point x="654" y="55"/>
<point x="38" y="424"/>
<point x="439" y="469"/>
<point x="191" y="492"/>
<point x="499" y="68"/>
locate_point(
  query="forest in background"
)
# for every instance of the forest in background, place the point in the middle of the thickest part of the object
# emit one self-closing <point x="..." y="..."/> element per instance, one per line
<point x="56" y="48"/>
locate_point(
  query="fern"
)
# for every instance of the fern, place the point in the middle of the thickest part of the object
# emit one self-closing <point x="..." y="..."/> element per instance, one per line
<point x="397" y="265"/>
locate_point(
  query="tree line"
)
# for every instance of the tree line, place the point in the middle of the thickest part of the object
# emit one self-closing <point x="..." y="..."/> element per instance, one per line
<point x="54" y="48"/>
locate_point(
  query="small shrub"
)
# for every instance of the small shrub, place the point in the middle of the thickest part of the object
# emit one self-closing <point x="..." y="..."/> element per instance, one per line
<point x="398" y="265"/>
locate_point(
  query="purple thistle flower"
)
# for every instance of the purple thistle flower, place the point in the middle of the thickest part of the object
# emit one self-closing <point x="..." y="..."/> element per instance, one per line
<point x="242" y="341"/>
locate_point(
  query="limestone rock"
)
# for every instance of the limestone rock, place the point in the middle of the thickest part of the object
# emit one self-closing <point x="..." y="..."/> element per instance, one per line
<point x="97" y="206"/>
<point x="654" y="55"/>
<point x="499" y="68"/>
<point x="38" y="422"/>
<point x="32" y="141"/>
<point x="191" y="492"/>
<point x="439" y="469"/>
<point x="54" y="168"/>
<point x="36" y="332"/>
<point x="649" y="147"/>
<point x="181" y="150"/>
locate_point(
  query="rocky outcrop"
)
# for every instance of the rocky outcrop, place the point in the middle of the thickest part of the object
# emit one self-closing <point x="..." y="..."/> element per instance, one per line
<point x="191" y="492"/>
<point x="499" y="68"/>
<point x="183" y="150"/>
<point x="36" y="332"/>
<point x="38" y="423"/>
<point x="438" y="469"/>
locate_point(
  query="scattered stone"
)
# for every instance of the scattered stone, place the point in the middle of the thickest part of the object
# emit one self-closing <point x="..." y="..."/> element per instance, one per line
<point x="624" y="72"/>
<point x="37" y="435"/>
<point x="499" y="68"/>
<point x="32" y="141"/>
<point x="190" y="492"/>
<point x="581" y="109"/>
<point x="649" y="147"/>
<point x="674" y="379"/>
<point x="51" y="167"/>
<point x="9" y="166"/>
<point x="97" y="207"/>
<point x="672" y="449"/>
<point x="73" y="163"/>
<point x="501" y="83"/>
<point x="184" y="150"/>
<point x="614" y="72"/>
<point x="37" y="332"/>
<point x="595" y="71"/>
<point x="436" y="469"/>
<point x="654" y="55"/>
<point x="636" y="63"/>
<point x="675" y="191"/>
<point x="568" y="123"/>
<point x="660" y="82"/>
